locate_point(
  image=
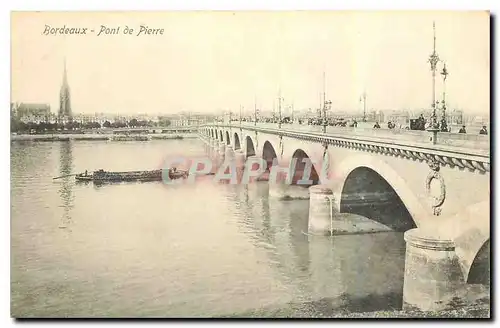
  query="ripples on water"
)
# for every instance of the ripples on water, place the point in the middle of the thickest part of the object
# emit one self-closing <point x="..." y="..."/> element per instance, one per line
<point x="150" y="250"/>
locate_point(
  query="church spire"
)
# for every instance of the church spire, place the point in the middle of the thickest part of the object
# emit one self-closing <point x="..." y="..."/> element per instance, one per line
<point x="65" y="74"/>
<point x="64" y="96"/>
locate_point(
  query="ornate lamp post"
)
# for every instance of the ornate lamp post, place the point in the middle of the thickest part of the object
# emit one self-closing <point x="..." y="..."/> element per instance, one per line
<point x="255" y="112"/>
<point x="444" y="125"/>
<point x="255" y="115"/>
<point x="364" y="106"/>
<point x="326" y="106"/>
<point x="241" y="111"/>
<point x="433" y="60"/>
<point x="279" y="111"/>
<point x="274" y="111"/>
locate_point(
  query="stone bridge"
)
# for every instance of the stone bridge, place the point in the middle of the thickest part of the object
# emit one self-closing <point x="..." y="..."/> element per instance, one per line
<point x="434" y="187"/>
<point x="167" y="129"/>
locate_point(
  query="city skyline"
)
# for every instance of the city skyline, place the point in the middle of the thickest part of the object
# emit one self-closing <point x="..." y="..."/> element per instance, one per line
<point x="223" y="60"/>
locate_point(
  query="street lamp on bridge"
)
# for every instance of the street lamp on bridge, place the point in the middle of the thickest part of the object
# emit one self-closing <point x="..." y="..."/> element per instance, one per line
<point x="327" y="106"/>
<point x="433" y="60"/>
<point x="241" y="111"/>
<point x="255" y="112"/>
<point x="280" y="119"/>
<point x="279" y="109"/>
<point x="444" y="125"/>
<point x="364" y="106"/>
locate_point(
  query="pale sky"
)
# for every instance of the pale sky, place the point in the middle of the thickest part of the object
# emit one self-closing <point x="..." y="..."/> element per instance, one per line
<point x="208" y="61"/>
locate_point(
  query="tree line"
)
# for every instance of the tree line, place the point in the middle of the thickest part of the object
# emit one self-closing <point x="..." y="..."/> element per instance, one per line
<point x="20" y="126"/>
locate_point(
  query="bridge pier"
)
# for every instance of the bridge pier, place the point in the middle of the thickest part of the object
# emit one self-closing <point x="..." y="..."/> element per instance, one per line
<point x="254" y="162"/>
<point x="213" y="149"/>
<point x="222" y="150"/>
<point x="239" y="158"/>
<point x="278" y="190"/>
<point x="209" y="146"/>
<point x="284" y="191"/>
<point x="432" y="277"/>
<point x="326" y="219"/>
<point x="206" y="143"/>
<point x="321" y="210"/>
<point x="219" y="154"/>
<point x="229" y="152"/>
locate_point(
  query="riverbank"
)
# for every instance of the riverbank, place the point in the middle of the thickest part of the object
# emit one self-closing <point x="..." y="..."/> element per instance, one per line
<point x="474" y="304"/>
<point x="323" y="310"/>
<point x="90" y="137"/>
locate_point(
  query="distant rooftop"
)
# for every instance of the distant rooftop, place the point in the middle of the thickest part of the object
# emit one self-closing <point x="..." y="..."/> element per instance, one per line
<point x="34" y="106"/>
<point x="33" y="109"/>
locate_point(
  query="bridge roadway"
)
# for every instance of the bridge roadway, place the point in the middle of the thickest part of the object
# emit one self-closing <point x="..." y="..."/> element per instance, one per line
<point x="467" y="141"/>
<point x="437" y="193"/>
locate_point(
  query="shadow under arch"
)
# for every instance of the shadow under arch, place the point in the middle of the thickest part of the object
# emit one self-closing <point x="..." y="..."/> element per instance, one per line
<point x="250" y="149"/>
<point x="220" y="136"/>
<point x="236" y="141"/>
<point x="479" y="272"/>
<point x="269" y="155"/>
<point x="228" y="139"/>
<point x="384" y="172"/>
<point x="302" y="160"/>
<point x="367" y="193"/>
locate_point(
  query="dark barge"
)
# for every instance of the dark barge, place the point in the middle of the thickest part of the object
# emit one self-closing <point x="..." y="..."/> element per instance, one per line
<point x="141" y="176"/>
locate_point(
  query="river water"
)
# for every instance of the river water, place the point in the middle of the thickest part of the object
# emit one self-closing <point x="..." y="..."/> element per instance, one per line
<point x="191" y="250"/>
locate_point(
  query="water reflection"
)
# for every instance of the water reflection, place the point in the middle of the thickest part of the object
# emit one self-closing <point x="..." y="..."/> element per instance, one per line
<point x="181" y="250"/>
<point x="358" y="272"/>
<point x="252" y="217"/>
<point x="352" y="273"/>
<point x="298" y="225"/>
<point x="66" y="190"/>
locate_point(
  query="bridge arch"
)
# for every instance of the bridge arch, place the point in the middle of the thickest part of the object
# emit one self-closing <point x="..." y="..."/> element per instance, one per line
<point x="301" y="158"/>
<point x="479" y="272"/>
<point x="249" y="147"/>
<point x="228" y="139"/>
<point x="236" y="141"/>
<point x="379" y="179"/>
<point x="268" y="154"/>
<point x="367" y="193"/>
<point x="470" y="231"/>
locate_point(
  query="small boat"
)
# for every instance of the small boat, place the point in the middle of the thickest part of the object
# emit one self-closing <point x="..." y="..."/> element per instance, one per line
<point x="124" y="137"/>
<point x="142" y="176"/>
